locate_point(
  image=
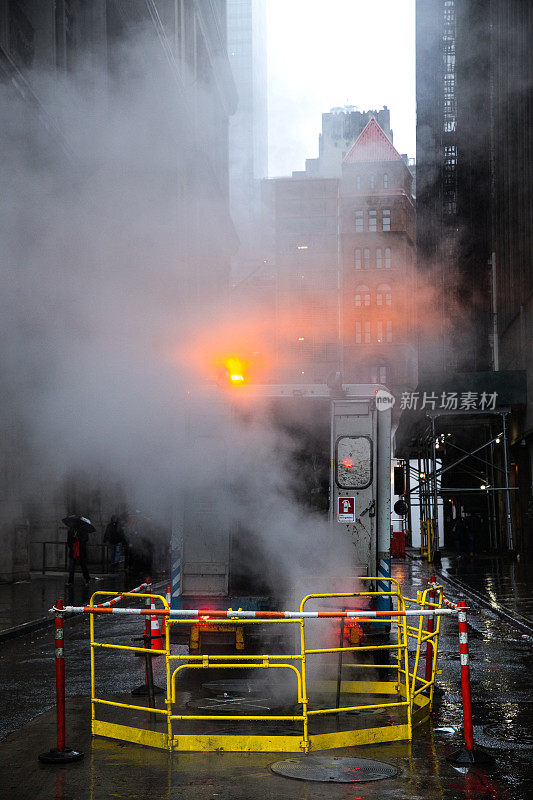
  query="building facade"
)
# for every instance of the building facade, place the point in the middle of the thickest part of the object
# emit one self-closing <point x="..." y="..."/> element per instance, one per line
<point x="378" y="264"/>
<point x="345" y="260"/>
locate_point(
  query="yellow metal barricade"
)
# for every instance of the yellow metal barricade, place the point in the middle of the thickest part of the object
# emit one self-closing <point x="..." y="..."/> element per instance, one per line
<point x="408" y="695"/>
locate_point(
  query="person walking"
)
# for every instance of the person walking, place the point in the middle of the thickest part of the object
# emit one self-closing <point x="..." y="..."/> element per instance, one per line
<point x="77" y="538"/>
<point x="114" y="535"/>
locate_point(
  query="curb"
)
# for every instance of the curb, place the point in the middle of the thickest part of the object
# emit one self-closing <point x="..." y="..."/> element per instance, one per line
<point x="25" y="627"/>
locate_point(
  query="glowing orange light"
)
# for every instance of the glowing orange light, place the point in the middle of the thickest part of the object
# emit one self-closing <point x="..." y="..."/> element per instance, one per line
<point x="208" y="617"/>
<point x="236" y="369"/>
<point x="348" y="462"/>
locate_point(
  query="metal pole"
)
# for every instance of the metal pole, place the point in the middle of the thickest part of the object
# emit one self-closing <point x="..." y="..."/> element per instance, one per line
<point x="339" y="667"/>
<point x="431" y="627"/>
<point x="510" y="542"/>
<point x="435" y="498"/>
<point x="60" y="754"/>
<point x="44" y="557"/>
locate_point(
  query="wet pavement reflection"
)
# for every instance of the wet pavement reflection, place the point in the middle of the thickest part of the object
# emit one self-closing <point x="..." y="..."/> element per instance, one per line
<point x="502" y="714"/>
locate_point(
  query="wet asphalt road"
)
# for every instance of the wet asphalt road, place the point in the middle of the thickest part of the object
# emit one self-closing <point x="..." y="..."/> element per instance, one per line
<point x="502" y="711"/>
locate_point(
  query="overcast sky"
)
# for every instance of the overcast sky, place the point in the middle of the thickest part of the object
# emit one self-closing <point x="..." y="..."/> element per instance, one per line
<point x="326" y="53"/>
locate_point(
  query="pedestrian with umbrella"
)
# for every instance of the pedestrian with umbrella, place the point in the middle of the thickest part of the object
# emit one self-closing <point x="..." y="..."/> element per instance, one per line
<point x="77" y="538"/>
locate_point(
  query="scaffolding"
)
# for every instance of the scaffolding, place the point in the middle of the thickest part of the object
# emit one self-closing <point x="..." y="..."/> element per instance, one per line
<point x="486" y="463"/>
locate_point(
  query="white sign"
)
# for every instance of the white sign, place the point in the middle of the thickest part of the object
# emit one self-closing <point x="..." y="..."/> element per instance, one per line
<point x="346" y="509"/>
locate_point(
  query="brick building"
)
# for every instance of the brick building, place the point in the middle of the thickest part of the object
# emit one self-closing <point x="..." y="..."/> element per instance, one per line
<point x="345" y="255"/>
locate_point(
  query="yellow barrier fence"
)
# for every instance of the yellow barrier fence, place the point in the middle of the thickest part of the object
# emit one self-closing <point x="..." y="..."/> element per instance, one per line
<point x="405" y="697"/>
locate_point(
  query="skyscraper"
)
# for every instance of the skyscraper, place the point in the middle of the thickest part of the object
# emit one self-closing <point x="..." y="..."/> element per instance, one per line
<point x="248" y="134"/>
<point x="475" y="200"/>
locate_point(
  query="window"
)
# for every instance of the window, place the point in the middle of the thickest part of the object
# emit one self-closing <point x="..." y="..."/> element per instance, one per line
<point x="386" y="220"/>
<point x="379" y="258"/>
<point x="362" y="296"/>
<point x="387" y="258"/>
<point x="358" y="221"/>
<point x="357" y="182"/>
<point x="372" y="220"/>
<point x="358" y="258"/>
<point x="366" y="258"/>
<point x="385" y="181"/>
<point x="367" y="332"/>
<point x="372" y="182"/>
<point x="353" y="462"/>
<point x="379" y="374"/>
<point x="388" y="331"/>
<point x="383" y="295"/>
<point x="380" y="331"/>
<point x="358" y="333"/>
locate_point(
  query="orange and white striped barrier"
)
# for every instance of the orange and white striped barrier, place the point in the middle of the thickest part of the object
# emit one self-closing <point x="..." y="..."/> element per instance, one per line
<point x="120" y="597"/>
<point x="217" y="613"/>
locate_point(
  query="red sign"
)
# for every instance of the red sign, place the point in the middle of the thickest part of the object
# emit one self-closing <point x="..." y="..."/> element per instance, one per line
<point x="346" y="509"/>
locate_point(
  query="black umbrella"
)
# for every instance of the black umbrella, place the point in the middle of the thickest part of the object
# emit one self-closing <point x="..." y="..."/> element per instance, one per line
<point x="79" y="523"/>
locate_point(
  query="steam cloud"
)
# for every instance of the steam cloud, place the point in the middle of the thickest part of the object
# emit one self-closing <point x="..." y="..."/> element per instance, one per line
<point x="96" y="303"/>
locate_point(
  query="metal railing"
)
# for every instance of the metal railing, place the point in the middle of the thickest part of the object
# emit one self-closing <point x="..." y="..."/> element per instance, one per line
<point x="61" y="562"/>
<point x="411" y="692"/>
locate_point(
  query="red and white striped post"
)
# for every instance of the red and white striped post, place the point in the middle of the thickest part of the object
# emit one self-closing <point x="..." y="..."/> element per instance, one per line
<point x="431" y="628"/>
<point x="469" y="754"/>
<point x="60" y="754"/>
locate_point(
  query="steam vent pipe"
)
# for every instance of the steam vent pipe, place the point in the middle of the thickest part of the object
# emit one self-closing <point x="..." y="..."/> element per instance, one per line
<point x="383" y="517"/>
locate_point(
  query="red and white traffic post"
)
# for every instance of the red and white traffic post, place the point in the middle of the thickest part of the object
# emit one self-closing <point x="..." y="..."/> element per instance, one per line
<point x="60" y="754"/>
<point x="469" y="754"/>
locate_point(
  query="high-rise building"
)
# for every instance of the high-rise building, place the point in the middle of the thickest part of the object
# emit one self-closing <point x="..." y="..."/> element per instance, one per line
<point x="475" y="202"/>
<point x="345" y="260"/>
<point x="248" y="131"/>
<point x="340" y="129"/>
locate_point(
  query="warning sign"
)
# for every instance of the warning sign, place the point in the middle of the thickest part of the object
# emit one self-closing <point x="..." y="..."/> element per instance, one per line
<point x="346" y="509"/>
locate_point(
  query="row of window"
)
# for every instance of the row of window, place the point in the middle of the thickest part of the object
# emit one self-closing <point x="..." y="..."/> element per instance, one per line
<point x="382" y="332"/>
<point x="372" y="181"/>
<point x="382" y="258"/>
<point x="363" y="296"/>
<point x="372" y="220"/>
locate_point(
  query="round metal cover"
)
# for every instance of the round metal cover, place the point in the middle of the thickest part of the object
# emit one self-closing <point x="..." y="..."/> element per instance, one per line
<point x="334" y="770"/>
<point x="245" y="706"/>
<point x="235" y="686"/>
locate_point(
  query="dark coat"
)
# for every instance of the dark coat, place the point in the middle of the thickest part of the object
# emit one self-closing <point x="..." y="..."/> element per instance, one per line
<point x="114" y="533"/>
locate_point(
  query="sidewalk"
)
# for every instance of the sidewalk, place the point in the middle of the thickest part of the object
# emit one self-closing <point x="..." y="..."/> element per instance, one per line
<point x="25" y="606"/>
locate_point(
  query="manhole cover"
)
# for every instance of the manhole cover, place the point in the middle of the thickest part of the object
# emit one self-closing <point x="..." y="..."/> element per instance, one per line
<point x="237" y="686"/>
<point x="333" y="770"/>
<point x="510" y="733"/>
<point x="244" y="706"/>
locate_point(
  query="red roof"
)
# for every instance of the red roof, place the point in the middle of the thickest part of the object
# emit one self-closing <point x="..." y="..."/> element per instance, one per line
<point x="372" y="145"/>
